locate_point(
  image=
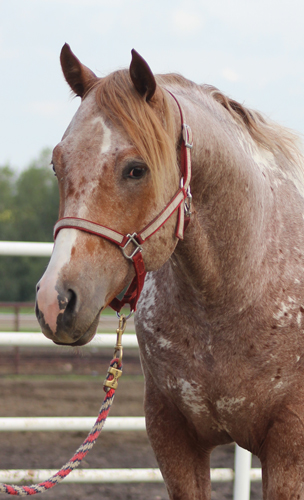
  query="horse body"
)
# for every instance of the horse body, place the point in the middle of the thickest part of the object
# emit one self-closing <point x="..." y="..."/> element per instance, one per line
<point x="220" y="319"/>
<point x="233" y="370"/>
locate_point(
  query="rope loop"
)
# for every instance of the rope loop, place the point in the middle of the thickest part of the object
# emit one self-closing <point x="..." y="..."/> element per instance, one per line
<point x="114" y="372"/>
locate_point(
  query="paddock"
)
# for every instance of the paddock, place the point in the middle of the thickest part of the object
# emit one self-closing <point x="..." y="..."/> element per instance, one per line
<point x="242" y="474"/>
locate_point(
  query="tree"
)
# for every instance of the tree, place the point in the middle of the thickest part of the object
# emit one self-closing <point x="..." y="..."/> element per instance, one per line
<point x="7" y="180"/>
<point x="28" y="211"/>
<point x="36" y="201"/>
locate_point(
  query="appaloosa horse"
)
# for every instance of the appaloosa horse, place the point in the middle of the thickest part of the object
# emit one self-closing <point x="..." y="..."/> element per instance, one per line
<point x="220" y="320"/>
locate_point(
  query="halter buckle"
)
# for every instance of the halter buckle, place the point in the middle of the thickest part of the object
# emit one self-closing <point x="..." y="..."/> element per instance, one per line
<point x="187" y="136"/>
<point x="132" y="238"/>
<point x="188" y="202"/>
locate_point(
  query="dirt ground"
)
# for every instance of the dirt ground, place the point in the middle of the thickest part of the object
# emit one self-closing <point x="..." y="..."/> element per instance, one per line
<point x="61" y="383"/>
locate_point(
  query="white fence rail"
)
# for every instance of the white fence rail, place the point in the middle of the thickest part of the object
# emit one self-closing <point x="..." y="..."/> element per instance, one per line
<point x="32" y="339"/>
<point x="111" y="476"/>
<point x="242" y="473"/>
<point x="241" y="476"/>
<point x="26" y="249"/>
<point x="73" y="424"/>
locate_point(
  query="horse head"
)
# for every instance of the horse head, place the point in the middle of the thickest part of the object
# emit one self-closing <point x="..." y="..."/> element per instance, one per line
<point x="116" y="167"/>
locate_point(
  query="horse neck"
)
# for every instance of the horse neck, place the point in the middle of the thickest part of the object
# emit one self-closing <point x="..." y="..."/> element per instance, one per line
<point x="223" y="243"/>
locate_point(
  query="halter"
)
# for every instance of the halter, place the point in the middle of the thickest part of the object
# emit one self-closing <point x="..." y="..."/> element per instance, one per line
<point x="181" y="201"/>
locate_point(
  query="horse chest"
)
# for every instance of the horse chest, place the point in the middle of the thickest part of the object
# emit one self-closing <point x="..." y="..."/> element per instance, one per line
<point x="182" y="373"/>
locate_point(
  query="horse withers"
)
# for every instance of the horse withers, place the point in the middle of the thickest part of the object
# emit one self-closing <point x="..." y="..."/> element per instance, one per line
<point x="220" y="318"/>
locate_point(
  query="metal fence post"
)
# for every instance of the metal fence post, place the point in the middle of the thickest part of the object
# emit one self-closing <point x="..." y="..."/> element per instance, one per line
<point x="242" y="467"/>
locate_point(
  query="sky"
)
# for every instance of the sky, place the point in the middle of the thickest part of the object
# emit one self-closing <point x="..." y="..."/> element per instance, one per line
<point x="252" y="50"/>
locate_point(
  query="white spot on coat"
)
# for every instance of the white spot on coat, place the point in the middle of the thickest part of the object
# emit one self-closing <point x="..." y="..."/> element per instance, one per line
<point x="148" y="298"/>
<point x="191" y="397"/>
<point x="164" y="343"/>
<point x="229" y="404"/>
<point x="278" y="385"/>
<point x="299" y="319"/>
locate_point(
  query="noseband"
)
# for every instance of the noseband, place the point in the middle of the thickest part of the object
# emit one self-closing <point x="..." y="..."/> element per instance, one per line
<point x="181" y="201"/>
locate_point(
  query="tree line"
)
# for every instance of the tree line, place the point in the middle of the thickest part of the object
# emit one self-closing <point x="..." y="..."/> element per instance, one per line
<point x="28" y="211"/>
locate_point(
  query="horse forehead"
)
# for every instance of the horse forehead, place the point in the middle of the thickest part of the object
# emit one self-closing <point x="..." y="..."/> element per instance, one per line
<point x="91" y="130"/>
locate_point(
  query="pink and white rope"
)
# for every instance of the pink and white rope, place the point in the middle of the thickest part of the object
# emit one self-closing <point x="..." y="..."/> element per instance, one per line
<point x="80" y="453"/>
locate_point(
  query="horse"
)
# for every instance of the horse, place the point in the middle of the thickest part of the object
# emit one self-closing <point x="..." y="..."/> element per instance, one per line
<point x="194" y="204"/>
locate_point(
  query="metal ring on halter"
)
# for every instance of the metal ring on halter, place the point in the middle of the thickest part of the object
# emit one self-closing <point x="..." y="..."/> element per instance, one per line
<point x="137" y="245"/>
<point x="127" y="317"/>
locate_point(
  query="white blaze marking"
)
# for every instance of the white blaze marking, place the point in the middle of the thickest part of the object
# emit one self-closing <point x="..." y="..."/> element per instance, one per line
<point x="48" y="295"/>
<point x="106" y="143"/>
<point x="63" y="248"/>
<point x="82" y="211"/>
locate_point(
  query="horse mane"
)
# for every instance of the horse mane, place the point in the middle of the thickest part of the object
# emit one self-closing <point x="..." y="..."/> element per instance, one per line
<point x="149" y="125"/>
<point x="266" y="133"/>
<point x="282" y="142"/>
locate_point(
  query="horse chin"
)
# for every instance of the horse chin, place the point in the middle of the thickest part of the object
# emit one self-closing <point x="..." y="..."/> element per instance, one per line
<point x="80" y="342"/>
<point x="83" y="340"/>
<point x="70" y="337"/>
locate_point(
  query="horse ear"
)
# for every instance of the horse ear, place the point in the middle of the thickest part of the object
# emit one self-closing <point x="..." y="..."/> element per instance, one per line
<point x="142" y="76"/>
<point x="79" y="77"/>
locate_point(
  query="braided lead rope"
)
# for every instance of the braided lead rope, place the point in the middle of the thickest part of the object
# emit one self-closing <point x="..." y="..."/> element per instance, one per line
<point x="114" y="372"/>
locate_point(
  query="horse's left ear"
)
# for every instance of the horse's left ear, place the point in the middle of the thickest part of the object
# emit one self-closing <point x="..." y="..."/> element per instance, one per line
<point x="79" y="77"/>
<point x="142" y="76"/>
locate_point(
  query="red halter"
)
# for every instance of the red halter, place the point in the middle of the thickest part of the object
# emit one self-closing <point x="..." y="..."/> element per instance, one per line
<point x="181" y="202"/>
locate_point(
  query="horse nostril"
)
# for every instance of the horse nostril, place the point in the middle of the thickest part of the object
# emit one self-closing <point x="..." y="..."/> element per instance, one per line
<point x="37" y="312"/>
<point x="71" y="306"/>
<point x="67" y="306"/>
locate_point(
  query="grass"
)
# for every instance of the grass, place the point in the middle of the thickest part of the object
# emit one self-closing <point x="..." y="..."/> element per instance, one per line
<point x="22" y="310"/>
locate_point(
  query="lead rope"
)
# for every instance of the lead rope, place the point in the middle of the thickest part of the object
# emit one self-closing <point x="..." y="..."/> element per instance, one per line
<point x="109" y="386"/>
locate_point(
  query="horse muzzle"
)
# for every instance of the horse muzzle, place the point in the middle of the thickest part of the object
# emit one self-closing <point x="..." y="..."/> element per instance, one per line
<point x="61" y="317"/>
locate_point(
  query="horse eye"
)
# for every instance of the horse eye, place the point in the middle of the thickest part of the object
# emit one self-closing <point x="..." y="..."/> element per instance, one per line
<point x="135" y="171"/>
